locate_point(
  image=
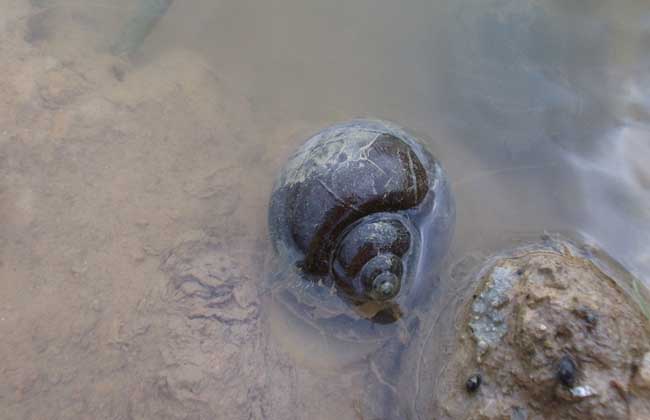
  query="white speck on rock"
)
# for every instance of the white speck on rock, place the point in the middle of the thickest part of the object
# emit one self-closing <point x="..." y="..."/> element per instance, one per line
<point x="583" y="391"/>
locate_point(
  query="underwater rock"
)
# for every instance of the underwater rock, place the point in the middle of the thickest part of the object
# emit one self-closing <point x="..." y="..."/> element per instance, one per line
<point x="554" y="333"/>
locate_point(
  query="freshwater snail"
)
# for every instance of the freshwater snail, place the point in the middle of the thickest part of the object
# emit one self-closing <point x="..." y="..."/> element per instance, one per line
<point x="364" y="209"/>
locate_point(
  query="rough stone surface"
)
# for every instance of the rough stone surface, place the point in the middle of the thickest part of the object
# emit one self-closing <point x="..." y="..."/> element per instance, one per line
<point x="537" y="311"/>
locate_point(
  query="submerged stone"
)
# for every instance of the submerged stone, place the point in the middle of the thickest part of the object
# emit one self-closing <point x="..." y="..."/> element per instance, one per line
<point x="555" y="331"/>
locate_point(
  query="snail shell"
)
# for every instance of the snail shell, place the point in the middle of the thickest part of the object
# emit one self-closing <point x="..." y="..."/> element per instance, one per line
<point x="364" y="206"/>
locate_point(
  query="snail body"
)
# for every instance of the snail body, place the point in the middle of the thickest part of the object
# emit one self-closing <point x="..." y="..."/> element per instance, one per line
<point x="363" y="208"/>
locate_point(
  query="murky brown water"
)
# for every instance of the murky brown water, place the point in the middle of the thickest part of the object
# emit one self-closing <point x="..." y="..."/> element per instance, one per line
<point x="120" y="179"/>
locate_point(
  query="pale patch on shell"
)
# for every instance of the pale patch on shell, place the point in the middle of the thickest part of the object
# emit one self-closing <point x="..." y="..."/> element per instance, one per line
<point x="350" y="140"/>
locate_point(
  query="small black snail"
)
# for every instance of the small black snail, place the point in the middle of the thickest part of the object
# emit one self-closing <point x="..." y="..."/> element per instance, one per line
<point x="364" y="208"/>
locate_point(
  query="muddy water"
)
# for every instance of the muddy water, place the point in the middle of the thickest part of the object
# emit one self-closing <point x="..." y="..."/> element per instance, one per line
<point x="133" y="190"/>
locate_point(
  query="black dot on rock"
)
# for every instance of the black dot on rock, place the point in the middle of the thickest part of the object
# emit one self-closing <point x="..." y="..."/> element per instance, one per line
<point x="473" y="383"/>
<point x="567" y="371"/>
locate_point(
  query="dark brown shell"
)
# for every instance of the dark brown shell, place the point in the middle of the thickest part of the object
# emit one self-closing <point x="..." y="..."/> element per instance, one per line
<point x="389" y="178"/>
<point x="348" y="173"/>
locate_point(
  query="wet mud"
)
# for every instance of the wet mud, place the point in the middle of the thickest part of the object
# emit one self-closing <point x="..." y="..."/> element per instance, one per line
<point x="134" y="199"/>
